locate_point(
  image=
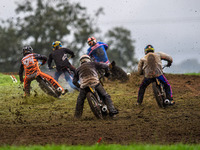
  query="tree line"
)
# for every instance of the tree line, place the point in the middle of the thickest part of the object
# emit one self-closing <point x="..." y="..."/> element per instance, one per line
<point x="39" y="23"/>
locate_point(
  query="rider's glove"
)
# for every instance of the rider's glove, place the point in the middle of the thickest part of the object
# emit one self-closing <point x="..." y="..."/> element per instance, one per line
<point x="141" y="72"/>
<point x="169" y="64"/>
<point x="73" y="56"/>
<point x="40" y="63"/>
<point x="107" y="74"/>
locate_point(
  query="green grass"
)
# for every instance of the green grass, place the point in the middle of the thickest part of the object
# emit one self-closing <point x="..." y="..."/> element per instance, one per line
<point x="6" y="79"/>
<point x="193" y="74"/>
<point x="105" y="147"/>
<point x="39" y="104"/>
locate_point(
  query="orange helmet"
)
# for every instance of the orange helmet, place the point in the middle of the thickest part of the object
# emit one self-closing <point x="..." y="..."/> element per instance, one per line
<point x="91" y="41"/>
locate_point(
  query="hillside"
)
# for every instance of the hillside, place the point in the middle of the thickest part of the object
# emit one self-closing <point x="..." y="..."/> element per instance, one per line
<point x="41" y="119"/>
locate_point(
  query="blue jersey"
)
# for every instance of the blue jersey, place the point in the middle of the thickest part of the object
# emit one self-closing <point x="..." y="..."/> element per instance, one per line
<point x="98" y="52"/>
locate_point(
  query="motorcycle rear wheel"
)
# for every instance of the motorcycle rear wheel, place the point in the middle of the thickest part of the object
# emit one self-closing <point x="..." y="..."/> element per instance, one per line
<point x="47" y="87"/>
<point x="158" y="95"/>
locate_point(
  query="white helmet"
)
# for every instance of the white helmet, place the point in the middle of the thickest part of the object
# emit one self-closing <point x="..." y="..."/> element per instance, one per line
<point x="85" y="58"/>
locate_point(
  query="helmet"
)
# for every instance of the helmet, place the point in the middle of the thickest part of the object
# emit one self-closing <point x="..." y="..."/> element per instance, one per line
<point x="148" y="48"/>
<point x="27" y="50"/>
<point x="91" y="41"/>
<point x="56" y="44"/>
<point x="85" y="58"/>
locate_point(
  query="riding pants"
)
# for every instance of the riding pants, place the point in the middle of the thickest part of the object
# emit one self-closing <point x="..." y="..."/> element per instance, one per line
<point x="28" y="80"/>
<point x="147" y="81"/>
<point x="102" y="93"/>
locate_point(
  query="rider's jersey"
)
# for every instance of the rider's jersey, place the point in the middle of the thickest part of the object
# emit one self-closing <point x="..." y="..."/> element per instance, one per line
<point x="29" y="63"/>
<point x="60" y="58"/>
<point x="98" y="52"/>
<point x="87" y="74"/>
<point x="151" y="65"/>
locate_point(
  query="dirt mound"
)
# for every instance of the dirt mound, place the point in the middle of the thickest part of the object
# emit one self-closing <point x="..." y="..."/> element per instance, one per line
<point x="144" y="124"/>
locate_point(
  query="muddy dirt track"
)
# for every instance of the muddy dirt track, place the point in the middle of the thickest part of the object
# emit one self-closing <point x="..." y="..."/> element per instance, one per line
<point x="143" y="124"/>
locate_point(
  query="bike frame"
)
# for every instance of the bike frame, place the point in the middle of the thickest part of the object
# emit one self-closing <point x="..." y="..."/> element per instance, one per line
<point x="47" y="87"/>
<point x="97" y="106"/>
<point x="100" y="102"/>
<point x="159" y="92"/>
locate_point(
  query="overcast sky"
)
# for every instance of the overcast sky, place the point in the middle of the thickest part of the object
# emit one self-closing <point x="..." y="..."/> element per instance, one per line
<point x="171" y="26"/>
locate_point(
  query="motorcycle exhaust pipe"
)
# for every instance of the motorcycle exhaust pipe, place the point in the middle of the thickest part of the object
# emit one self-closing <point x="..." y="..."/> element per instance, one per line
<point x="104" y="108"/>
<point x="166" y="101"/>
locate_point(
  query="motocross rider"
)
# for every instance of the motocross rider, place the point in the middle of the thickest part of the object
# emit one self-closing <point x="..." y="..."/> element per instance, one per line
<point x="29" y="63"/>
<point x="97" y="50"/>
<point x="151" y="67"/>
<point x="59" y="55"/>
<point x="87" y="75"/>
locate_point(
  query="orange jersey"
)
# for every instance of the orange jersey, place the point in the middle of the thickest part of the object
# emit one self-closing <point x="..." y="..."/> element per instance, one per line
<point x="29" y="63"/>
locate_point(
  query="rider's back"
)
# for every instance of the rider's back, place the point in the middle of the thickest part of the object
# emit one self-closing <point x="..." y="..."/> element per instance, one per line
<point x="60" y="57"/>
<point x="30" y="64"/>
<point x="88" y="75"/>
<point x="98" y="52"/>
<point x="151" y="64"/>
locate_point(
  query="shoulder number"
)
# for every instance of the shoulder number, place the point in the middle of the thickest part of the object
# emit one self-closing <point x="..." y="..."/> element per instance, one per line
<point x="28" y="60"/>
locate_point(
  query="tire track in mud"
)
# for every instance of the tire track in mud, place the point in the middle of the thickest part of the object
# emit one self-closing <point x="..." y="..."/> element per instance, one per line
<point x="195" y="92"/>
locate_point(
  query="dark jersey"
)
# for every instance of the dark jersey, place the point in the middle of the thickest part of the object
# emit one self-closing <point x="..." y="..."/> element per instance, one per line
<point x="60" y="58"/>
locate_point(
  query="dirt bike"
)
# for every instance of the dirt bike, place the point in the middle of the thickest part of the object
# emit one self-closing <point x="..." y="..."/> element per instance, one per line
<point x="159" y="92"/>
<point x="47" y="87"/>
<point x="96" y="103"/>
<point x="117" y="73"/>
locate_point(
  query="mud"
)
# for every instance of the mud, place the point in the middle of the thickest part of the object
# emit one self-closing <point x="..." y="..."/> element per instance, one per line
<point x="134" y="124"/>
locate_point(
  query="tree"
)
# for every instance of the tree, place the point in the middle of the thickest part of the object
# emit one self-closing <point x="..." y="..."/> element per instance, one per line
<point x="39" y="23"/>
<point x="121" y="47"/>
<point x="60" y="20"/>
<point x="10" y="43"/>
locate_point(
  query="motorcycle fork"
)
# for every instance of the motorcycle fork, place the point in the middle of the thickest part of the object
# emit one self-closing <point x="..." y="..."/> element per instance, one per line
<point x="91" y="89"/>
<point x="96" y="95"/>
<point x="160" y="86"/>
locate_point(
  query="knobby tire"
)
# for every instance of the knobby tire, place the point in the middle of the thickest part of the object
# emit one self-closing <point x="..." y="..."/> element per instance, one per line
<point x="48" y="88"/>
<point x="93" y="103"/>
<point x="158" y="95"/>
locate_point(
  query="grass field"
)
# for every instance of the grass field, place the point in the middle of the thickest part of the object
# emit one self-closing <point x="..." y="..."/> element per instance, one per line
<point x="193" y="74"/>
